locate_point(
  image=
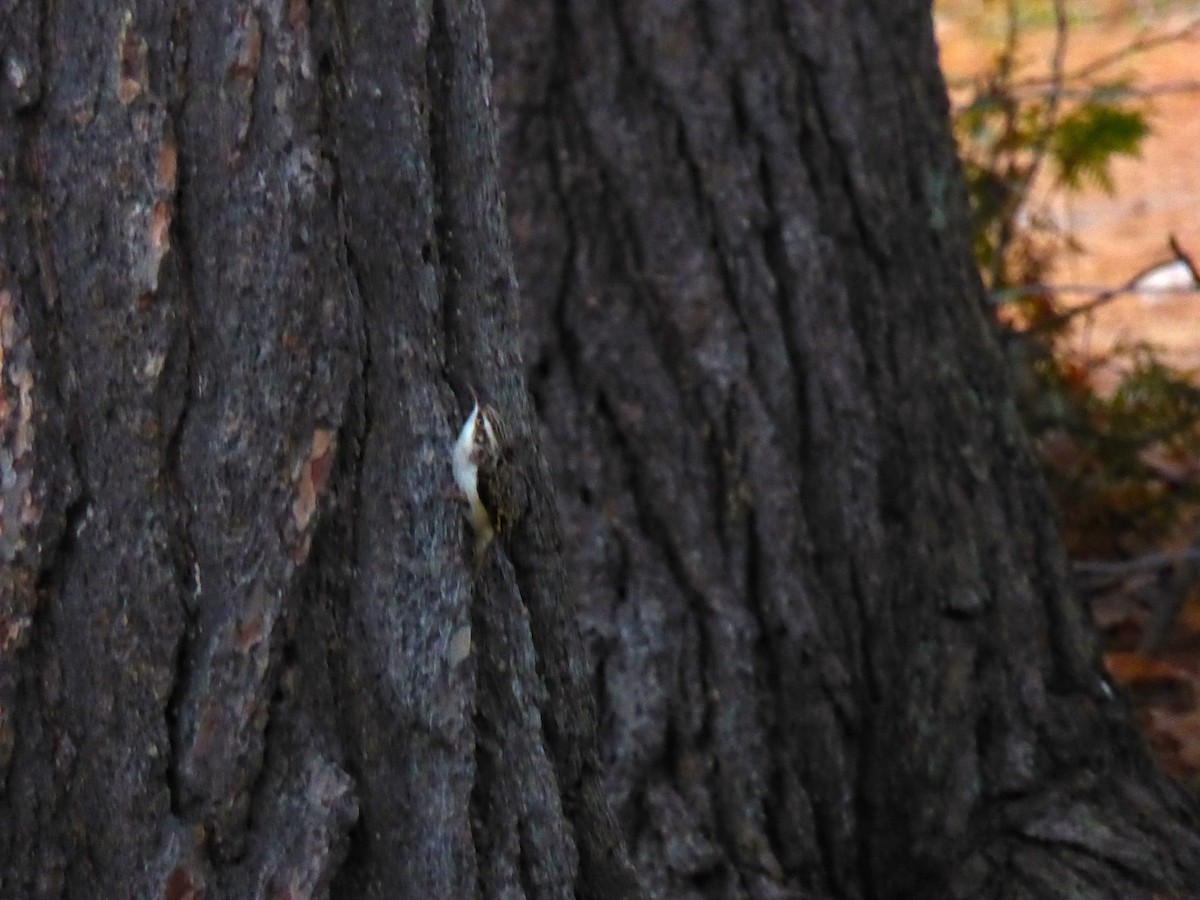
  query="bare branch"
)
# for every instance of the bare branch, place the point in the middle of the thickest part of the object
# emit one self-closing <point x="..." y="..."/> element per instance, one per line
<point x="1103" y="295"/>
<point x="1049" y="120"/>
<point x="1027" y="91"/>
<point x="1183" y="256"/>
<point x="1140" y="44"/>
<point x="1013" y="291"/>
<point x="1120" y="568"/>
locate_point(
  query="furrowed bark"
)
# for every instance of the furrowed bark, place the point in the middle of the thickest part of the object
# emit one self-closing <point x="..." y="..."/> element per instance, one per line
<point x="256" y="264"/>
<point x="825" y="600"/>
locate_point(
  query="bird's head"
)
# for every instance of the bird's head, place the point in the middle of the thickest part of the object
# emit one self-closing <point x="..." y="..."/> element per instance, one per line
<point x="488" y="438"/>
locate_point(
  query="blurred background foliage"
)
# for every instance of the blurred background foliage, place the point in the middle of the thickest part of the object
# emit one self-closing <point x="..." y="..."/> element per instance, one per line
<point x="1117" y="455"/>
<point x="1117" y="428"/>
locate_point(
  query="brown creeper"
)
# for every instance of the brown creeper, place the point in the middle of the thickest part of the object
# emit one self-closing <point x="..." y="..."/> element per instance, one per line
<point x="480" y="458"/>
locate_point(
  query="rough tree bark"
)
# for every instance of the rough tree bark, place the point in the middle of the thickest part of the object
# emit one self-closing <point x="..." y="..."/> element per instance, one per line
<point x="827" y="608"/>
<point x="253" y="263"/>
<point x="254" y="260"/>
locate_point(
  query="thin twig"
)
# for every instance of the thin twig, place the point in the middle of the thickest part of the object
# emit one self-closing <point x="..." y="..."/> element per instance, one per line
<point x="1183" y="256"/>
<point x="1040" y="145"/>
<point x="1166" y="89"/>
<point x="1120" y="568"/>
<point x="1145" y="41"/>
<point x="1110" y="294"/>
<point x="1082" y="309"/>
<point x="1005" y="64"/>
<point x="1013" y="291"/>
<point x="1053" y="95"/>
<point x="1063" y="85"/>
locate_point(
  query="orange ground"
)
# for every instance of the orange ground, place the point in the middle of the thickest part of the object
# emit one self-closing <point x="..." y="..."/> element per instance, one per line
<point x="1156" y="195"/>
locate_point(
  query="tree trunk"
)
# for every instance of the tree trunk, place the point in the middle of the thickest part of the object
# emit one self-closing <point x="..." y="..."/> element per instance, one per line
<point x="827" y="608"/>
<point x="254" y="262"/>
<point x="253" y="267"/>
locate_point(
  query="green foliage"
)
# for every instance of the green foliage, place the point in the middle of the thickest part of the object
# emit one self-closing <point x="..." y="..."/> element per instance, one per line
<point x="1121" y="460"/>
<point x="1085" y="141"/>
<point x="1005" y="135"/>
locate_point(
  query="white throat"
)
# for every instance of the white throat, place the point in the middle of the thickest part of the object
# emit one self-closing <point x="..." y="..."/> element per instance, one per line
<point x="466" y="472"/>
